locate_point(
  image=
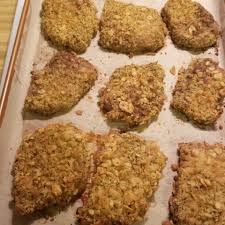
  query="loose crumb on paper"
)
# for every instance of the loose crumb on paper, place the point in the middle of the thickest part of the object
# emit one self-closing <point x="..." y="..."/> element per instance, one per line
<point x="173" y="70"/>
<point x="79" y="112"/>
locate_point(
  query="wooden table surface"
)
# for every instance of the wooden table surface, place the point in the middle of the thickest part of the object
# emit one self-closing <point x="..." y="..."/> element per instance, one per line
<point x="7" y="10"/>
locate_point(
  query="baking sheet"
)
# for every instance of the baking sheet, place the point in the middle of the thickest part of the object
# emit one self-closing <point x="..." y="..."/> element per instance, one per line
<point x="168" y="130"/>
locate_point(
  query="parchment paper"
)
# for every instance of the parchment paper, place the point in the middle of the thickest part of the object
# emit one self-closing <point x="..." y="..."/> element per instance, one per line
<point x="168" y="130"/>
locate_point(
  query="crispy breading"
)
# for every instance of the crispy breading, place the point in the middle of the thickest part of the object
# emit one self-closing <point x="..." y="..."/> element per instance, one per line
<point x="129" y="28"/>
<point x="190" y="25"/>
<point x="60" y="85"/>
<point x="51" y="167"/>
<point x="69" y="23"/>
<point x="134" y="94"/>
<point x="128" y="170"/>
<point x="200" y="91"/>
<point x="199" y="190"/>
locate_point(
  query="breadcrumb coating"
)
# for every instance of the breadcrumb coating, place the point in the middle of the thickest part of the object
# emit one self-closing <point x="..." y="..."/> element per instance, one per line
<point x="128" y="170"/>
<point x="134" y="94"/>
<point x="190" y="25"/>
<point x="128" y="28"/>
<point x="60" y="85"/>
<point x="199" y="190"/>
<point x="69" y="23"/>
<point x="51" y="167"/>
<point x="200" y="91"/>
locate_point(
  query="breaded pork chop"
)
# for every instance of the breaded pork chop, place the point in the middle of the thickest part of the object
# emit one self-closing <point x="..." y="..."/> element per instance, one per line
<point x="51" y="167"/>
<point x="128" y="170"/>
<point x="190" y="25"/>
<point x="60" y="85"/>
<point x="69" y="23"/>
<point x="200" y="91"/>
<point x="128" y="28"/>
<point x="199" y="190"/>
<point x="134" y="94"/>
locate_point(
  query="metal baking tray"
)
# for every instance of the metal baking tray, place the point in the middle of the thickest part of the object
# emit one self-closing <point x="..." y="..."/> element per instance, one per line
<point x="28" y="50"/>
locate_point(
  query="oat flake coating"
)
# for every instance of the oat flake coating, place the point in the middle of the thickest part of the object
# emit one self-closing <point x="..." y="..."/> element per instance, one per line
<point x="128" y="28"/>
<point x="69" y="23"/>
<point x="51" y="168"/>
<point x="200" y="91"/>
<point x="199" y="190"/>
<point x="60" y="85"/>
<point x="134" y="94"/>
<point x="128" y="170"/>
<point x="190" y="25"/>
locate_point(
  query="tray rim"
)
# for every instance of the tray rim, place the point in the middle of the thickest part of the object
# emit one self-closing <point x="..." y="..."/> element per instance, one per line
<point x="21" y="14"/>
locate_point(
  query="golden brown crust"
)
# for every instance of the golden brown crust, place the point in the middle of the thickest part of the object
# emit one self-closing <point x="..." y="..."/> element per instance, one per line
<point x="69" y="23"/>
<point x="134" y="94"/>
<point x="128" y="28"/>
<point x="128" y="170"/>
<point x="200" y="91"/>
<point x="199" y="189"/>
<point x="190" y="25"/>
<point x="60" y="85"/>
<point x="51" y="167"/>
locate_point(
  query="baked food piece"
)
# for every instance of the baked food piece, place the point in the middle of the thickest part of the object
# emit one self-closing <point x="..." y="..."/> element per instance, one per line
<point x="190" y="25"/>
<point x="69" y="23"/>
<point x="134" y="94"/>
<point x="128" y="170"/>
<point x="200" y="91"/>
<point x="60" y="85"/>
<point x="51" y="167"/>
<point x="128" y="28"/>
<point x="199" y="189"/>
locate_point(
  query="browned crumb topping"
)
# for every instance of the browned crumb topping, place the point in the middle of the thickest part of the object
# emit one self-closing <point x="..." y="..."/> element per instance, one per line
<point x="69" y="23"/>
<point x="200" y="91"/>
<point x="128" y="170"/>
<point x="128" y="28"/>
<point x="60" y="85"/>
<point x="51" y="168"/>
<point x="191" y="26"/>
<point x="199" y="189"/>
<point x="134" y="94"/>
